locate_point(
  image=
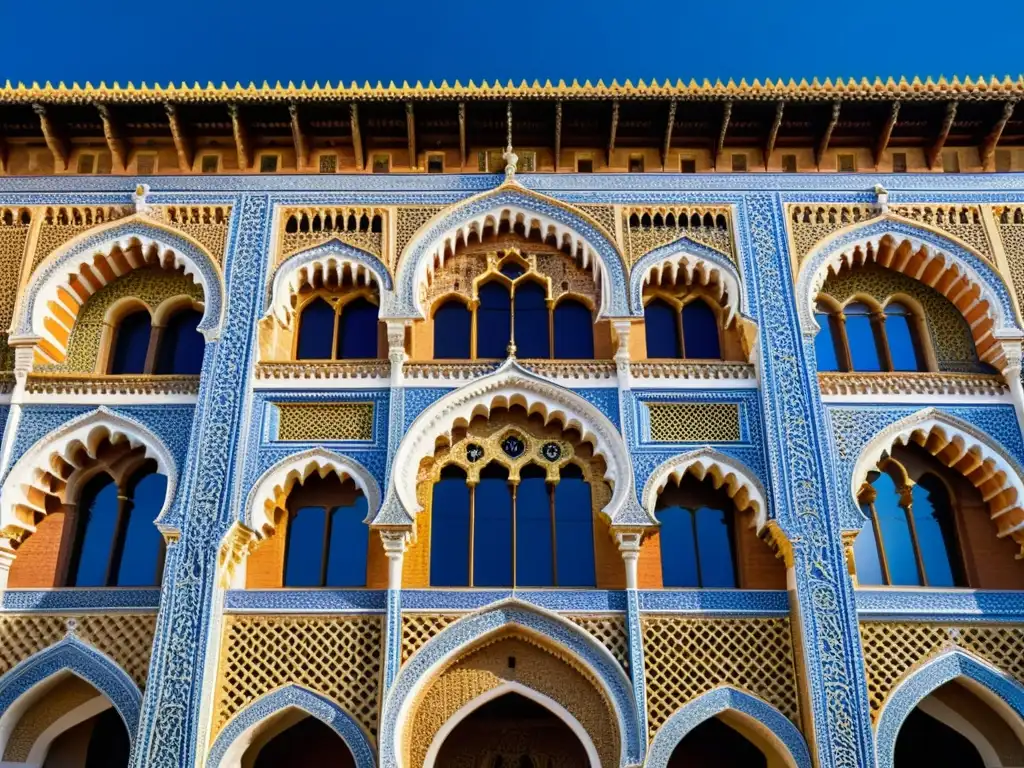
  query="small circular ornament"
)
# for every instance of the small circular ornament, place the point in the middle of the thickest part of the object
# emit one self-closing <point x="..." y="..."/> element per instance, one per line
<point x="551" y="451"/>
<point x="513" y="446"/>
<point x="474" y="452"/>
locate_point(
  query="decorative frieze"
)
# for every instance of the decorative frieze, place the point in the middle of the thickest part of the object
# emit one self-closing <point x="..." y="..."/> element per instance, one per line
<point x="647" y="228"/>
<point x="79" y="384"/>
<point x="303" y="228"/>
<point x="910" y="383"/>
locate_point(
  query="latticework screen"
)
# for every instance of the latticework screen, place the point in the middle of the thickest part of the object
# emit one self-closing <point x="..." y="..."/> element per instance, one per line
<point x="610" y="631"/>
<point x="418" y="628"/>
<point x="126" y="638"/>
<point x="694" y="422"/>
<point x="685" y="658"/>
<point x="892" y="650"/>
<point x="325" y="421"/>
<point x="337" y="656"/>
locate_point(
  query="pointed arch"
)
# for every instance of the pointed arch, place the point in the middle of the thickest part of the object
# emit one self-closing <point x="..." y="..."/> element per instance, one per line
<point x="963" y="448"/>
<point x="698" y="264"/>
<point x="513" y="687"/>
<point x="999" y="689"/>
<point x="331" y="258"/>
<point x="277" y="482"/>
<point x="947" y="266"/>
<point x="28" y="482"/>
<point x="73" y="656"/>
<point x="511" y="385"/>
<point x="239" y="732"/>
<point x="476" y="629"/>
<point x="62" y="283"/>
<point x="762" y="718"/>
<point x="739" y="481"/>
<point x="591" y="244"/>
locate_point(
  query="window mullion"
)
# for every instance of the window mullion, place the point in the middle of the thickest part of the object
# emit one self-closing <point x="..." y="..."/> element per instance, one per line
<point x="696" y="547"/>
<point x="880" y="544"/>
<point x="908" y="507"/>
<point x="325" y="548"/>
<point x="334" y="337"/>
<point x="472" y="529"/>
<point x="679" y="330"/>
<point x="515" y="497"/>
<point x="843" y="343"/>
<point x="882" y="341"/>
<point x="119" y="536"/>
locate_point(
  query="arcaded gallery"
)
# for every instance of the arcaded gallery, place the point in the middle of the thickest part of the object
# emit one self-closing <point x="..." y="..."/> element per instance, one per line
<point x="497" y="425"/>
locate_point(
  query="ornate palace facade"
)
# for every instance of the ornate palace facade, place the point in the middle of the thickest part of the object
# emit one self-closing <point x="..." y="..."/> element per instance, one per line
<point x="498" y="426"/>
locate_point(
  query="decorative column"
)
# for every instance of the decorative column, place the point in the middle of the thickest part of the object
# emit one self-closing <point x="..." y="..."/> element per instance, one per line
<point x="823" y="612"/>
<point x="24" y="351"/>
<point x="629" y="546"/>
<point x="395" y="542"/>
<point x="1012" y="348"/>
<point x="171" y="730"/>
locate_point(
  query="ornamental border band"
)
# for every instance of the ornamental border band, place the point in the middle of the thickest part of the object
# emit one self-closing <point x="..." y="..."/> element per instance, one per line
<point x="512" y="425"/>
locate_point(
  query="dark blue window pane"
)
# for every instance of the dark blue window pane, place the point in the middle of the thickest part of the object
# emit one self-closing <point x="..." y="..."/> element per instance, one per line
<point x="936" y="536"/>
<point x="531" y="321"/>
<point x="357" y="330"/>
<point x="181" y="345"/>
<point x="825" y="343"/>
<point x="901" y="340"/>
<point x="131" y="343"/>
<point x="534" y="557"/>
<point x="700" y="332"/>
<point x="574" y="530"/>
<point x="316" y="331"/>
<point x="449" y="530"/>
<point x="494" y="321"/>
<point x="143" y="543"/>
<point x="350" y="540"/>
<point x="452" y="331"/>
<point x="492" y="533"/>
<point x="574" y="331"/>
<point x="714" y="542"/>
<point x="512" y="270"/>
<point x="860" y="334"/>
<point x="865" y="554"/>
<point x="899" y="546"/>
<point x="678" y="547"/>
<point x="97" y="529"/>
<point x="661" y="322"/>
<point x="303" y="560"/>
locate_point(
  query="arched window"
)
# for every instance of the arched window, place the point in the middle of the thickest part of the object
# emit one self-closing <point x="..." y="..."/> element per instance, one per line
<point x="714" y="742"/>
<point x="697" y="535"/>
<point x="181" y="346"/>
<point x="910" y="537"/>
<point x="309" y="743"/>
<point x="116" y="543"/>
<point x="453" y="331"/>
<point x="131" y="343"/>
<point x="661" y="323"/>
<point x="331" y="328"/>
<point x="327" y="541"/>
<point x="904" y="351"/>
<point x="493" y="320"/>
<point x="574" y="331"/>
<point x="862" y="339"/>
<point x="502" y="533"/>
<point x="700" y="332"/>
<point x="827" y="342"/>
<point x="531" y="320"/>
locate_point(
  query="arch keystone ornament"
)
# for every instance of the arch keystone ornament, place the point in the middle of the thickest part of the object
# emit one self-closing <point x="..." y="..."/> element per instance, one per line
<point x="475" y="630"/>
<point x="511" y="385"/>
<point x="25" y="484"/>
<point x="590" y="243"/>
<point x="949" y="267"/>
<point x="231" y="743"/>
<point x="963" y="448"/>
<point x="762" y="718"/>
<point x="330" y="258"/>
<point x="62" y="283"/>
<point x="1000" y="689"/>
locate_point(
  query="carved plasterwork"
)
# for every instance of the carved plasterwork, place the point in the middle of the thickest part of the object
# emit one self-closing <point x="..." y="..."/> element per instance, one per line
<point x="63" y="223"/>
<point x="206" y="224"/>
<point x="912" y="383"/>
<point x="302" y="228"/>
<point x="810" y="224"/>
<point x="648" y="227"/>
<point x="960" y="221"/>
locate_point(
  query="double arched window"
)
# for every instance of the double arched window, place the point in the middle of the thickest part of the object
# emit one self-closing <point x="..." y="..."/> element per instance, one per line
<point x="681" y="329"/>
<point x="165" y="343"/>
<point x="504" y="525"/>
<point x="337" y="325"/>
<point x="513" y="298"/>
<point x="115" y="543"/>
<point x="326" y="541"/>
<point x="910" y="538"/>
<point x="865" y="336"/>
<point x="697" y="535"/>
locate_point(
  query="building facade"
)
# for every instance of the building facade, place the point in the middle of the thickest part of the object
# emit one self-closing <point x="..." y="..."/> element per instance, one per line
<point x="530" y="426"/>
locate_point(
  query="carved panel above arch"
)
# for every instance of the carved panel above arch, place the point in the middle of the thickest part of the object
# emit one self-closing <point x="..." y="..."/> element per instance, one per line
<point x="61" y="224"/>
<point x="362" y="227"/>
<point x="649" y="227"/>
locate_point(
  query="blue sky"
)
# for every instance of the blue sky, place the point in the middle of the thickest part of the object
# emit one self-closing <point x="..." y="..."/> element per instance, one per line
<point x="436" y="39"/>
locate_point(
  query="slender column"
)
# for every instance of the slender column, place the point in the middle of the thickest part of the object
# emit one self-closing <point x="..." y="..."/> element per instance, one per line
<point x="836" y="712"/>
<point x="395" y="542"/>
<point x="183" y="662"/>
<point x="629" y="547"/>
<point x="1012" y="373"/>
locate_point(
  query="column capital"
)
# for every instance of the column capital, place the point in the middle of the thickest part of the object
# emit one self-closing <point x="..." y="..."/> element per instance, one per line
<point x="629" y="541"/>
<point x="395" y="541"/>
<point x="396" y="348"/>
